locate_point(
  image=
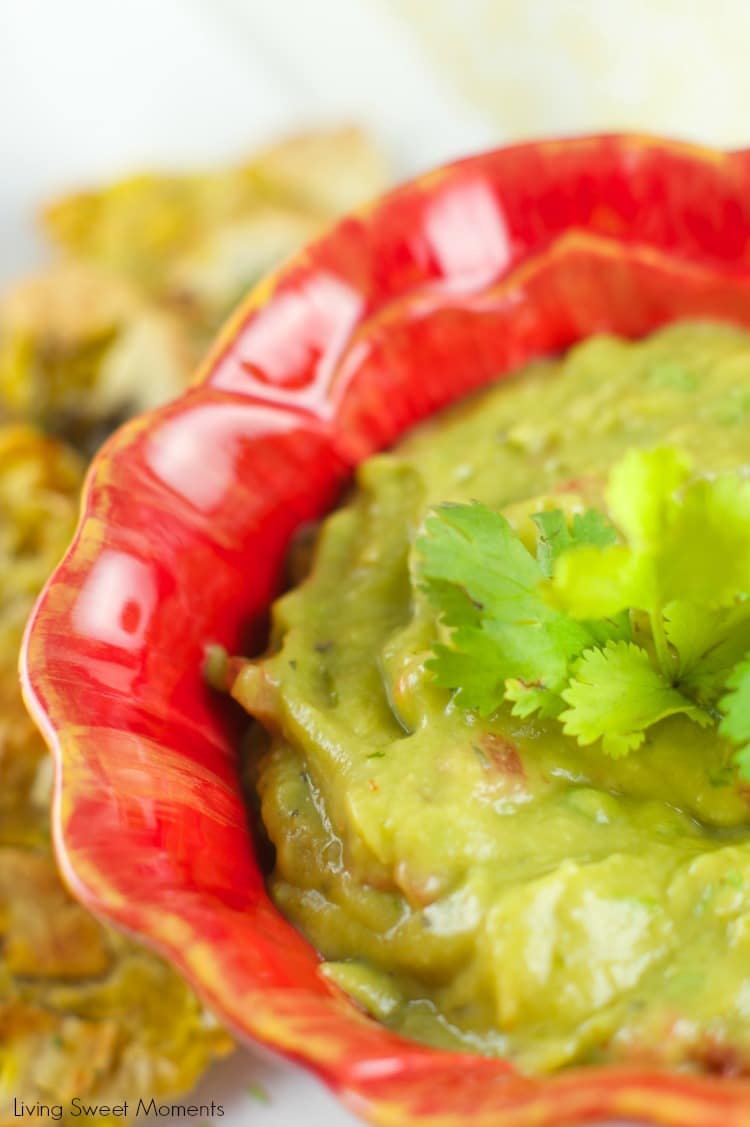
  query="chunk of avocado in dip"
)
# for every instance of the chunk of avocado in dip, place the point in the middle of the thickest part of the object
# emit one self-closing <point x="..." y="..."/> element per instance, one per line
<point x="488" y="883"/>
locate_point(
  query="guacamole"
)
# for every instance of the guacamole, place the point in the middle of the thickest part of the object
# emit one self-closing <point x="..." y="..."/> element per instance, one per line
<point x="488" y="883"/>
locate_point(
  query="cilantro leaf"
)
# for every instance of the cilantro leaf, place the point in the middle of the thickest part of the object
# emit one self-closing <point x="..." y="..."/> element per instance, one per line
<point x="472" y="668"/>
<point x="642" y="501"/>
<point x="693" y="548"/>
<point x="555" y="537"/>
<point x="615" y="694"/>
<point x="683" y="543"/>
<point x="486" y="587"/>
<point x="528" y="698"/>
<point x="735" y="723"/>
<point x="692" y="631"/>
<point x="641" y="493"/>
<point x="709" y="644"/>
<point x="456" y="606"/>
<point x="475" y="549"/>
<point x="741" y="760"/>
<point x="704" y="555"/>
<point x="598" y="583"/>
<point x="592" y="527"/>
<point x="611" y="627"/>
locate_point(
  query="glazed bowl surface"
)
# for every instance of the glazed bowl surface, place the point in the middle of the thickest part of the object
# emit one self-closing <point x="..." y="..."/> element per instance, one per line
<point x="449" y="282"/>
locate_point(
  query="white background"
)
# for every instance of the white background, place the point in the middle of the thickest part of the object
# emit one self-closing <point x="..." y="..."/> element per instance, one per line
<point x="90" y="89"/>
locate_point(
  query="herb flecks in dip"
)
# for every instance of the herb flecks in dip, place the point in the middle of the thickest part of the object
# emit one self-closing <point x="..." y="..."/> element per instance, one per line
<point x="485" y="881"/>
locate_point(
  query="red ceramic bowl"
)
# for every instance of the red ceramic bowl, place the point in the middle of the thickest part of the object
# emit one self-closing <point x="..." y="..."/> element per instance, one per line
<point x="442" y="286"/>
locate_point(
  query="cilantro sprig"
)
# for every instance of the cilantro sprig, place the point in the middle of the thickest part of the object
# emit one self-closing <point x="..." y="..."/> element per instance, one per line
<point x="616" y="621"/>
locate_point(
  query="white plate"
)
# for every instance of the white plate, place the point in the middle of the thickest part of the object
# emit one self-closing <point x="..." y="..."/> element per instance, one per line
<point x="254" y="1087"/>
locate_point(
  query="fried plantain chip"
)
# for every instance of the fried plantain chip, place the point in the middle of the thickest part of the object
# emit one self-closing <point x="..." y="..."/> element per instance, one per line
<point x="154" y="265"/>
<point x="207" y="282"/>
<point x="81" y="349"/>
<point x="197" y="241"/>
<point x="83" y="1011"/>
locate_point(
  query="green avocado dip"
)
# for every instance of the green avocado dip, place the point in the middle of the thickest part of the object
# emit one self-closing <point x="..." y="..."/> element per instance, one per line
<point x="486" y="881"/>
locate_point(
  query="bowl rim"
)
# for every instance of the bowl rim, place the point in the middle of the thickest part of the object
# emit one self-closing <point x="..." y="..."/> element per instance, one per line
<point x="532" y="247"/>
